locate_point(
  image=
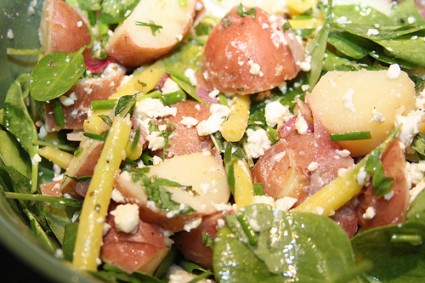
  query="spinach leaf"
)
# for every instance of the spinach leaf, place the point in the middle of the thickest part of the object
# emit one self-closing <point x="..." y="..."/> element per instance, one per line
<point x="113" y="274"/>
<point x="17" y="121"/>
<point x="289" y="247"/>
<point x="393" y="260"/>
<point x="416" y="211"/>
<point x="40" y="233"/>
<point x="115" y="11"/>
<point x="409" y="49"/>
<point x="12" y="155"/>
<point x="55" y="74"/>
<point x="68" y="242"/>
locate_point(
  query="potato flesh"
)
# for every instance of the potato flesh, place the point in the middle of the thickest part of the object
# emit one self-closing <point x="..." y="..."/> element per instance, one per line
<point x="172" y="17"/>
<point x="201" y="171"/>
<point x="361" y="101"/>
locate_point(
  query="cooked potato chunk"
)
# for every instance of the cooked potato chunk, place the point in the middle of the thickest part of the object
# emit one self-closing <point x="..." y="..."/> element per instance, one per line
<point x="151" y="31"/>
<point x="361" y="101"/>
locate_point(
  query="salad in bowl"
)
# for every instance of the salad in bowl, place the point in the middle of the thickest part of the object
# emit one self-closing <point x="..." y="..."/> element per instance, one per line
<point x="221" y="141"/>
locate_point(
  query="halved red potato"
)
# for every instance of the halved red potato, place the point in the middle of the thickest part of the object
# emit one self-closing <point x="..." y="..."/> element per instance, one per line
<point x="81" y="165"/>
<point x="51" y="189"/>
<point x="152" y="30"/>
<point x="84" y="92"/>
<point x="191" y="243"/>
<point x="202" y="172"/>
<point x="142" y="251"/>
<point x="390" y="210"/>
<point x="249" y="53"/>
<point x="62" y="28"/>
<point x="185" y="138"/>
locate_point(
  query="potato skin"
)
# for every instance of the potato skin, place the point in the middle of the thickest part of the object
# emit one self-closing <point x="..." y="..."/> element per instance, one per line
<point x="247" y="54"/>
<point x="62" y="28"/>
<point x="361" y="101"/>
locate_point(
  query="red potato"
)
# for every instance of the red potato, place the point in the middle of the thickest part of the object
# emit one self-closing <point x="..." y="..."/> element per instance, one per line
<point x="142" y="251"/>
<point x="168" y="22"/>
<point x="51" y="189"/>
<point x="85" y="91"/>
<point x="185" y="140"/>
<point x="191" y="245"/>
<point x="81" y="165"/>
<point x="390" y="211"/>
<point x="62" y="28"/>
<point x="249" y="54"/>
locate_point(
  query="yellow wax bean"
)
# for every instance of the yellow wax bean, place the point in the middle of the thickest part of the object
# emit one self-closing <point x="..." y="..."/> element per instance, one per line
<point x="56" y="156"/>
<point x="95" y="125"/>
<point x="234" y="128"/>
<point x="297" y="7"/>
<point x="96" y="202"/>
<point x="244" y="188"/>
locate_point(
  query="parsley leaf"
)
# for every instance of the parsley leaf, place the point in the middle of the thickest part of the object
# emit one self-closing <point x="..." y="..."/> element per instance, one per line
<point x="154" y="27"/>
<point x="381" y="184"/>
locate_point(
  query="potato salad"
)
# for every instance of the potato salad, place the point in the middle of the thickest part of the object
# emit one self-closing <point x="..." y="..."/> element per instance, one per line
<point x="223" y="141"/>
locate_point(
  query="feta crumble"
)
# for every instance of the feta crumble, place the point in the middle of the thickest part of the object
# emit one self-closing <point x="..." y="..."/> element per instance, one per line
<point x="276" y="113"/>
<point x="393" y="72"/>
<point x="257" y="142"/>
<point x="126" y="217"/>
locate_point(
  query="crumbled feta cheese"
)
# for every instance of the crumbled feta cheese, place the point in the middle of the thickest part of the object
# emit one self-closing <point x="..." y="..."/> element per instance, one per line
<point x="362" y="176"/>
<point x="409" y="126"/>
<point x="10" y="34"/>
<point x="156" y="160"/>
<point x="68" y="100"/>
<point x="305" y="65"/>
<point x="156" y="141"/>
<point x="213" y="124"/>
<point x="126" y="217"/>
<point x="393" y="72"/>
<point x="35" y="159"/>
<point x="264" y="199"/>
<point x="343" y="152"/>
<point x="347" y="100"/>
<point x="276" y="113"/>
<point x="169" y="86"/>
<point x="177" y="274"/>
<point x="192" y="224"/>
<point x="369" y="213"/>
<point x="153" y="108"/>
<point x="190" y="74"/>
<point x="312" y="166"/>
<point x="377" y="116"/>
<point x="255" y="69"/>
<point x="285" y="203"/>
<point x="257" y="142"/>
<point x="189" y="121"/>
<point x="79" y="24"/>
<point x="214" y="93"/>
<point x="117" y="196"/>
<point x="301" y="125"/>
<point x="389" y="195"/>
<point x="372" y="31"/>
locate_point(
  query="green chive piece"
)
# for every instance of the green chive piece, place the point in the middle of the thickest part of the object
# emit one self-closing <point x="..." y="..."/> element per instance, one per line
<point x="58" y="112"/>
<point x="350" y="136"/>
<point x="103" y="104"/>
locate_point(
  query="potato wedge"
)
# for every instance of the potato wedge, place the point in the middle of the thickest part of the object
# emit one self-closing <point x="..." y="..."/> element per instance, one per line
<point x="62" y="28"/>
<point x="151" y="31"/>
<point x="361" y="101"/>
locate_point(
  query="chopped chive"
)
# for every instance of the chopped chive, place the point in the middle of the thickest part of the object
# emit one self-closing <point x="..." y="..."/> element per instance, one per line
<point x="173" y="97"/>
<point x="135" y="141"/>
<point x="249" y="232"/>
<point x="64" y="147"/>
<point x="258" y="189"/>
<point x="106" y="119"/>
<point x="103" y="104"/>
<point x="350" y="136"/>
<point x="58" y="112"/>
<point x="95" y="136"/>
<point x="43" y="198"/>
<point x="154" y="27"/>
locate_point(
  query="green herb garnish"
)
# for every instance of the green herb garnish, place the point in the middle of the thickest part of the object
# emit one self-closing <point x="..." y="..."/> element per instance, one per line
<point x="350" y="136"/>
<point x="250" y="12"/>
<point x="154" y="27"/>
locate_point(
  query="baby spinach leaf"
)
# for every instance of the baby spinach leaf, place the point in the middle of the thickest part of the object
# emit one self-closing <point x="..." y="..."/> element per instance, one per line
<point x="55" y="74"/>
<point x="12" y="155"/>
<point x="346" y="46"/>
<point x="290" y="247"/>
<point x="416" y="211"/>
<point x="393" y="261"/>
<point x="17" y="121"/>
<point x="115" y="11"/>
<point x="409" y="49"/>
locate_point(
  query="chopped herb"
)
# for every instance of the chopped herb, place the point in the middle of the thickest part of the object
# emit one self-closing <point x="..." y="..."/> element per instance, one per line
<point x="381" y="184"/>
<point x="103" y="104"/>
<point x="350" y="136"/>
<point x="154" y="27"/>
<point x="58" y="113"/>
<point x="106" y="119"/>
<point x="96" y="136"/>
<point x="241" y="12"/>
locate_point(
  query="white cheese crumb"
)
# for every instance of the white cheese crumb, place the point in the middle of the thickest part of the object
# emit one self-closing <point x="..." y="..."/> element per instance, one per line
<point x="190" y="74"/>
<point x="377" y="116"/>
<point x="156" y="160"/>
<point x="362" y="176"/>
<point x="153" y="108"/>
<point x="255" y="69"/>
<point x="213" y="124"/>
<point x="10" y="34"/>
<point x="155" y="141"/>
<point x="347" y="100"/>
<point x="393" y="72"/>
<point x="257" y="142"/>
<point x="68" y="100"/>
<point x="169" y="86"/>
<point x="189" y="121"/>
<point x="372" y="31"/>
<point x="301" y="125"/>
<point x="409" y="126"/>
<point x="305" y="65"/>
<point x="369" y="213"/>
<point x="285" y="203"/>
<point x="389" y="195"/>
<point x="192" y="224"/>
<point x="343" y="152"/>
<point x="117" y="196"/>
<point x="126" y="217"/>
<point x="276" y="113"/>
<point x="313" y="166"/>
<point x="79" y="24"/>
<point x="35" y="159"/>
<point x="214" y="93"/>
